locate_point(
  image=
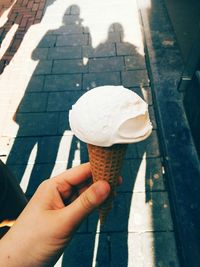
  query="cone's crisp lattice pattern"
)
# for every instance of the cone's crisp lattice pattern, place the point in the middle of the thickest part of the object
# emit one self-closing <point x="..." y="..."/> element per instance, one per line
<point x="106" y="163"/>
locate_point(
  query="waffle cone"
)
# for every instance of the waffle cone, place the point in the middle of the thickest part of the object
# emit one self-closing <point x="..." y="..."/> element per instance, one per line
<point x="106" y="164"/>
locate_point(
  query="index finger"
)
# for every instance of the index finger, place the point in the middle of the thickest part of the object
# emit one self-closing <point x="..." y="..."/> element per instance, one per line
<point x="74" y="176"/>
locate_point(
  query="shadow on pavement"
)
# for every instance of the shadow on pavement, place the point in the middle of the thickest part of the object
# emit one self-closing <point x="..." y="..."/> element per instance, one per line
<point x="60" y="78"/>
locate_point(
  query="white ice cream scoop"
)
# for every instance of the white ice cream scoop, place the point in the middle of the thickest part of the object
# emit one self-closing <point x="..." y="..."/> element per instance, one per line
<point x="108" y="115"/>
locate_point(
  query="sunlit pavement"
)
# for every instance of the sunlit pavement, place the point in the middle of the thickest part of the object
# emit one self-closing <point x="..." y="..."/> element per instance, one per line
<point x="79" y="45"/>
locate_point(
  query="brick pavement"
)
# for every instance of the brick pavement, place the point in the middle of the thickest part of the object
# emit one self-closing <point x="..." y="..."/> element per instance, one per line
<point x="139" y="230"/>
<point x="24" y="13"/>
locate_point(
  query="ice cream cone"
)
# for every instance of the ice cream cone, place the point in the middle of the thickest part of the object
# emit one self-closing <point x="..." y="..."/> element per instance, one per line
<point x="109" y="117"/>
<point x="106" y="164"/>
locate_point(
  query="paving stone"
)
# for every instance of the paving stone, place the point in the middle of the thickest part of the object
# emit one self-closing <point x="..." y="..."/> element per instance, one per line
<point x="40" y="53"/>
<point x="33" y="102"/>
<point x="73" y="39"/>
<point x="99" y="29"/>
<point x="63" y="82"/>
<point x="126" y="250"/>
<point x="136" y="62"/>
<point x="74" y="10"/>
<point x="49" y="40"/>
<point x="50" y="149"/>
<point x="69" y="66"/>
<point x="103" y="253"/>
<point x="154" y="249"/>
<point x="131" y="152"/>
<point x="72" y="150"/>
<point x="44" y="67"/>
<point x="58" y="146"/>
<point x="150" y="146"/>
<point x="63" y="122"/>
<point x="33" y="124"/>
<point x="65" y="52"/>
<point x="126" y="49"/>
<point x="68" y="29"/>
<point x="140" y="175"/>
<point x="4" y="146"/>
<point x="144" y="92"/>
<point x="117" y="219"/>
<point x="154" y="175"/>
<point x="36" y="83"/>
<point x="106" y="64"/>
<point x="35" y="175"/>
<point x="78" y="149"/>
<point x="113" y="37"/>
<point x="103" y="50"/>
<point x="62" y="101"/>
<point x="30" y="176"/>
<point x="68" y="11"/>
<point x="117" y="27"/>
<point x="129" y="173"/>
<point x="150" y="211"/>
<point x="71" y="19"/>
<point x="83" y="227"/>
<point x="20" y="149"/>
<point x="85" y="257"/>
<point x="78" y="153"/>
<point x="166" y="55"/>
<point x="137" y="212"/>
<point x="135" y="78"/>
<point x="91" y="80"/>
<point x="152" y="117"/>
<point x="5" y="102"/>
<point x="5" y="98"/>
<point x="8" y="129"/>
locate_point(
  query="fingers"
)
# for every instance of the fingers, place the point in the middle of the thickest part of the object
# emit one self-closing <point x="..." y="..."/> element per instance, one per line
<point x="85" y="204"/>
<point x="74" y="176"/>
<point x="85" y="185"/>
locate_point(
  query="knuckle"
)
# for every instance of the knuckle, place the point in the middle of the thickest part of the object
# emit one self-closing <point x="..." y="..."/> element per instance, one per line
<point x="86" y="202"/>
<point x="44" y="185"/>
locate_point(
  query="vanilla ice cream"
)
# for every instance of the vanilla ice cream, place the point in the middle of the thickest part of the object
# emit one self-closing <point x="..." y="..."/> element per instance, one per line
<point x="108" y="115"/>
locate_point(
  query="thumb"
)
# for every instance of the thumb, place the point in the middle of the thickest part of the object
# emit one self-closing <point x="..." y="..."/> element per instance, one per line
<point x="86" y="203"/>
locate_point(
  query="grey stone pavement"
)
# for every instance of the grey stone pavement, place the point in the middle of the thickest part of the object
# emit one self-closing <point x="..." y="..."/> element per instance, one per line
<point x="77" y="46"/>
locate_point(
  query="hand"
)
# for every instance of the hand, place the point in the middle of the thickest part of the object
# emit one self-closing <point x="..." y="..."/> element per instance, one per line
<point x="46" y="225"/>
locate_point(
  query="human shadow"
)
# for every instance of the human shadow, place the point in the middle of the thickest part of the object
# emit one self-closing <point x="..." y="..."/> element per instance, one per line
<point x="42" y="114"/>
<point x="24" y="14"/>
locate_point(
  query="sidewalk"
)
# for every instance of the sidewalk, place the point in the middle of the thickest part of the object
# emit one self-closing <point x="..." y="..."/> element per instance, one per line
<point x="79" y="45"/>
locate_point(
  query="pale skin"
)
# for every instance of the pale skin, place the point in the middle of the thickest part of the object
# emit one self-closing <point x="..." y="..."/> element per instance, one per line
<point x="46" y="225"/>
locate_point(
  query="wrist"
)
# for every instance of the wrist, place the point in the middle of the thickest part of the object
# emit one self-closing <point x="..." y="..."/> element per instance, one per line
<point x="15" y="251"/>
